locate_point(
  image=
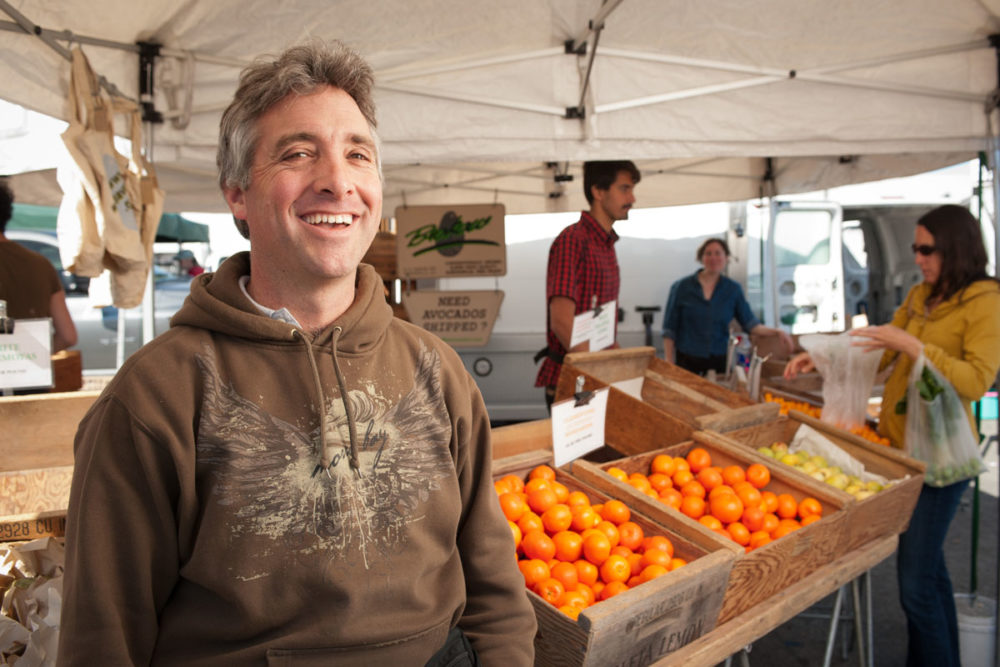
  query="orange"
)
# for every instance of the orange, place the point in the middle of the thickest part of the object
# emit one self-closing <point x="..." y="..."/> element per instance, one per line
<point x="732" y="474"/>
<point x="726" y="507"/>
<point x="710" y="522"/>
<point x="709" y="478"/>
<point x="618" y="473"/>
<point x="812" y="518"/>
<point x="536" y="484"/>
<point x="771" y="522"/>
<point x="651" y="492"/>
<point x="586" y="572"/>
<point x="616" y="512"/>
<point x="615" y="568"/>
<point x="753" y="517"/>
<point x="587" y="591"/>
<point x="530" y="521"/>
<point x="577" y="499"/>
<point x="516" y="483"/>
<point x="656" y="557"/>
<point x="610" y="530"/>
<point x="758" y="475"/>
<point x="770" y="501"/>
<point x="759" y="538"/>
<point x="651" y="572"/>
<point x="515" y="533"/>
<point x="660" y="542"/>
<point x="562" y="493"/>
<point x="672" y="497"/>
<point x="567" y="575"/>
<point x="541" y="499"/>
<point x="659" y="482"/>
<point x="676" y="563"/>
<point x="698" y="459"/>
<point x="639" y="482"/>
<point x="635" y="562"/>
<point x="747" y="493"/>
<point x="557" y="518"/>
<point x="536" y="544"/>
<point x="569" y="545"/>
<point x="550" y="590"/>
<point x="534" y="571"/>
<point x="513" y="505"/>
<point x="584" y="518"/>
<point x="574" y="598"/>
<point x="693" y="488"/>
<point x="788" y="507"/>
<point x="571" y="611"/>
<point x="786" y="526"/>
<point x="809" y="506"/>
<point x="502" y="487"/>
<point x="542" y="472"/>
<point x="612" y="589"/>
<point x="596" y="547"/>
<point x="693" y="506"/>
<point x="663" y="464"/>
<point x="739" y="533"/>
<point x="682" y="477"/>
<point x="720" y="489"/>
<point x="619" y="550"/>
<point x="681" y="464"/>
<point x="630" y="535"/>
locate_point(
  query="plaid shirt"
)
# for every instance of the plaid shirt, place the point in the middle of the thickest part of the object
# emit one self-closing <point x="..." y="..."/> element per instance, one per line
<point x="582" y="265"/>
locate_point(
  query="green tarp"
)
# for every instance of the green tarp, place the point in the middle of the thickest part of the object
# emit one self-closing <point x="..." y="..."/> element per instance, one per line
<point x="173" y="227"/>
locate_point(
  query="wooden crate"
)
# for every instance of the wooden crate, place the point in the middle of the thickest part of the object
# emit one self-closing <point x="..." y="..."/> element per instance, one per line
<point x="36" y="461"/>
<point x="687" y="398"/>
<point x="67" y="371"/>
<point x="885" y="513"/>
<point x="763" y="572"/>
<point x="644" y="623"/>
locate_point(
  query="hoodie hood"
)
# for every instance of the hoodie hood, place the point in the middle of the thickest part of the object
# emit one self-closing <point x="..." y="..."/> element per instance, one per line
<point x="216" y="303"/>
<point x="961" y="298"/>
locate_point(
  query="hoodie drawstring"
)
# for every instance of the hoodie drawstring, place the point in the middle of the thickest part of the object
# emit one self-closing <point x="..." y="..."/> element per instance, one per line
<point x="325" y="459"/>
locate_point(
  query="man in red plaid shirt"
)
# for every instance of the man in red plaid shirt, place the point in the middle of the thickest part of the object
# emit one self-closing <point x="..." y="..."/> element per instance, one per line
<point x="583" y="268"/>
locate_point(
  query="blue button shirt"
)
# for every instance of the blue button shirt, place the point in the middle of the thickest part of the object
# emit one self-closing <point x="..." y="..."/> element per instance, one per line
<point x="700" y="327"/>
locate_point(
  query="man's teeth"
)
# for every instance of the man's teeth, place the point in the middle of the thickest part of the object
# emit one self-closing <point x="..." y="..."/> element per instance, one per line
<point x="322" y="218"/>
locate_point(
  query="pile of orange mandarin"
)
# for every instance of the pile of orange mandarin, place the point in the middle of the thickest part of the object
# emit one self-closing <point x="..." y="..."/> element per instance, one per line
<point x="573" y="553"/>
<point x="865" y="431"/>
<point x="732" y="500"/>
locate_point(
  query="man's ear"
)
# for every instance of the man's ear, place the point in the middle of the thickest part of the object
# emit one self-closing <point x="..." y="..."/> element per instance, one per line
<point x="236" y="200"/>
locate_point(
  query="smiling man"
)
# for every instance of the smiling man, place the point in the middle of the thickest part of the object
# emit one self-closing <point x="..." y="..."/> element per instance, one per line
<point x="291" y="476"/>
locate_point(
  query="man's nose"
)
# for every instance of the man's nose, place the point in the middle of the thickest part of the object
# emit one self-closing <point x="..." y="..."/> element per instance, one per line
<point x="332" y="176"/>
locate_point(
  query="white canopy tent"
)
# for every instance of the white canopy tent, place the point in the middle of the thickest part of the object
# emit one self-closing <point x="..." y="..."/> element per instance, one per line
<point x="502" y="101"/>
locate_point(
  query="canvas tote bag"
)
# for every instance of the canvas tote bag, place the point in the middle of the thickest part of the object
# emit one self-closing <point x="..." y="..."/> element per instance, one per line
<point x="125" y="213"/>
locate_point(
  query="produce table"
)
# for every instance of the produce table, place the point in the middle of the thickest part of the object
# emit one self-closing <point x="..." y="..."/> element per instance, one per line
<point x="730" y="637"/>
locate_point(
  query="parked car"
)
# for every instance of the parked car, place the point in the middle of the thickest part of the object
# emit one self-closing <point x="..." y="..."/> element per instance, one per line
<point x="97" y="327"/>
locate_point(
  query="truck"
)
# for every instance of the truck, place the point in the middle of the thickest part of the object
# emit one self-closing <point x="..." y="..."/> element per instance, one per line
<point x="808" y="263"/>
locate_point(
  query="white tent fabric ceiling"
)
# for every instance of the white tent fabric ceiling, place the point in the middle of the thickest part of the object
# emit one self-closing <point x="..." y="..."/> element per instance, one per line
<point x="707" y="97"/>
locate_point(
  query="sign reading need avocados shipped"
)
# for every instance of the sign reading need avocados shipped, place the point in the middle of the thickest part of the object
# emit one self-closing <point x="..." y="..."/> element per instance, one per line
<point x="450" y="241"/>
<point x="461" y="319"/>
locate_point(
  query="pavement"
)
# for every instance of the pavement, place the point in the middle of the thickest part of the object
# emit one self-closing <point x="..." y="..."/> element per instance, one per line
<point x="802" y="640"/>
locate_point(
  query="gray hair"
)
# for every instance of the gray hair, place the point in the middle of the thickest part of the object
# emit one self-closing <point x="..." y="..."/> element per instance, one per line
<point x="300" y="70"/>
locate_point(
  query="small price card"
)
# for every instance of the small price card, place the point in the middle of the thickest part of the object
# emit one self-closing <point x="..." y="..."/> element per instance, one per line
<point x="596" y="325"/>
<point x="578" y="427"/>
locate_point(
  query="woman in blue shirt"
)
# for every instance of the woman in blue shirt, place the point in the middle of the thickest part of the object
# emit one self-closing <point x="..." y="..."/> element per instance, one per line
<point x="699" y="310"/>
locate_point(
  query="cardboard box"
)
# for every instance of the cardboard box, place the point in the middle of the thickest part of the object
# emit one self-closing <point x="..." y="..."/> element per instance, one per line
<point x="643" y="623"/>
<point x="763" y="572"/>
<point x="36" y="461"/>
<point x="885" y="513"/>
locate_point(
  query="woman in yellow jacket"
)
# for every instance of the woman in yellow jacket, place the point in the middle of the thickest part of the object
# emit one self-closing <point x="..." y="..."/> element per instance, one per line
<point x="953" y="319"/>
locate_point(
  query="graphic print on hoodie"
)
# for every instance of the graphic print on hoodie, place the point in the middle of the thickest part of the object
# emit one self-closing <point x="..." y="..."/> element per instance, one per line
<point x="264" y="473"/>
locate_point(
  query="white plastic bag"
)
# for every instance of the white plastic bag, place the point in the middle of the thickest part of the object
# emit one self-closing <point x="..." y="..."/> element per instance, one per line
<point x="848" y="375"/>
<point x="937" y="427"/>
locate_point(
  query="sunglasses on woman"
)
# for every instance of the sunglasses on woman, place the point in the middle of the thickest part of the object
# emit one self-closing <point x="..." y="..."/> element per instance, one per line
<point x="924" y="250"/>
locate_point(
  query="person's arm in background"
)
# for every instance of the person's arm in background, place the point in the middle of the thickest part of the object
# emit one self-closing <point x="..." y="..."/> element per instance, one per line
<point x="754" y="327"/>
<point x="786" y="340"/>
<point x="562" y="310"/>
<point x="671" y="320"/>
<point x="65" y="331"/>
